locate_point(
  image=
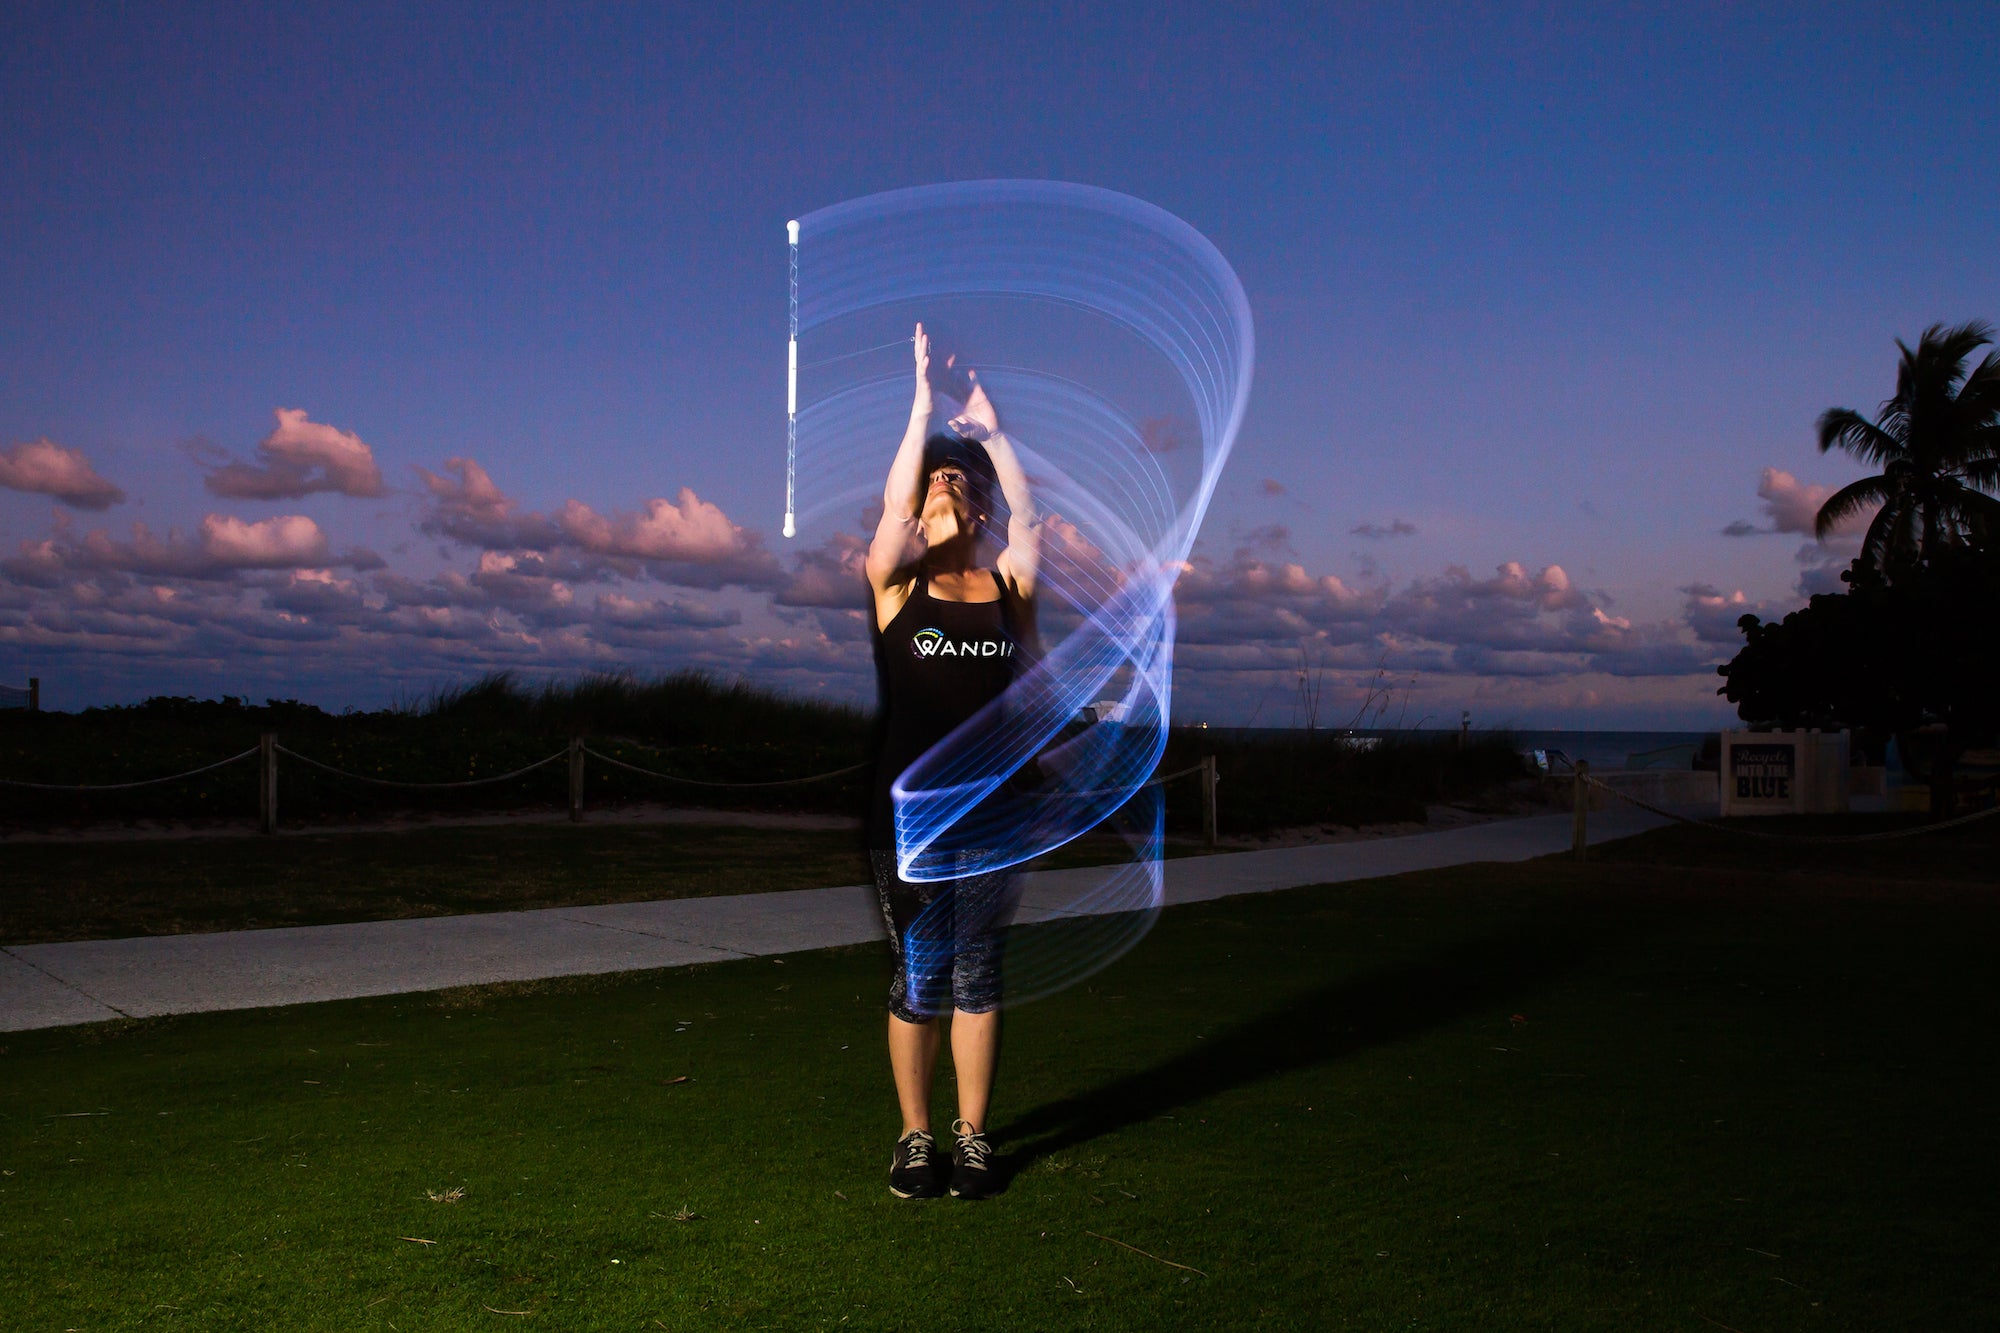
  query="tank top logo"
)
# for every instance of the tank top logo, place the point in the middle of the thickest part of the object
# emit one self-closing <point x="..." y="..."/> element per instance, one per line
<point x="933" y="643"/>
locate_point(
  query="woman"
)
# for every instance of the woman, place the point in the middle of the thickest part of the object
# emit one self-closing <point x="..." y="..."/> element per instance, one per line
<point x="932" y="596"/>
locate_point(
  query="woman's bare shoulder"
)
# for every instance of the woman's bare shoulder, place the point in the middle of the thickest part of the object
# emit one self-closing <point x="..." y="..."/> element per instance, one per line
<point x="890" y="599"/>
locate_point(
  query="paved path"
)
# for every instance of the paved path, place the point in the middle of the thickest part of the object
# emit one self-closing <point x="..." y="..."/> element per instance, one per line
<point x="50" y="985"/>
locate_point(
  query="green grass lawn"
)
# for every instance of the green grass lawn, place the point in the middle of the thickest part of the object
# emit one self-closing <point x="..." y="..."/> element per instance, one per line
<point x="96" y="890"/>
<point x="1969" y="853"/>
<point x="1626" y="1095"/>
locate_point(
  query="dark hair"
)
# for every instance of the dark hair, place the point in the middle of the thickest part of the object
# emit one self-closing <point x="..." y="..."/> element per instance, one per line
<point x="982" y="481"/>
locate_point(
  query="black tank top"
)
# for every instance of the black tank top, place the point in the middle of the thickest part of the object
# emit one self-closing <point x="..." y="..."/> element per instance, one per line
<point x="939" y="663"/>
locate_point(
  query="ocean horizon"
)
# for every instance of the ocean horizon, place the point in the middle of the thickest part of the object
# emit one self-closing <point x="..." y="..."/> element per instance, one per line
<point x="1603" y="749"/>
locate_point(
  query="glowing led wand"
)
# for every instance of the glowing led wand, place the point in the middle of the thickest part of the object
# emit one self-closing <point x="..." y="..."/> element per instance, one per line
<point x="792" y="388"/>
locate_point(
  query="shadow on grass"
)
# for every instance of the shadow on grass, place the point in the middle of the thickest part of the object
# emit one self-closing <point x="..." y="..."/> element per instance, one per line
<point x="1315" y="1028"/>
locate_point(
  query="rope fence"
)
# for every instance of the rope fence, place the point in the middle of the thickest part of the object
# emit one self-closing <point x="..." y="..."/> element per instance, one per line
<point x="703" y="782"/>
<point x="128" y="786"/>
<point x="267" y="751"/>
<point x="437" y="786"/>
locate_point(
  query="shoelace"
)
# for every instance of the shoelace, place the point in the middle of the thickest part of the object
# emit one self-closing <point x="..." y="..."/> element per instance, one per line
<point x="973" y="1149"/>
<point x="917" y="1148"/>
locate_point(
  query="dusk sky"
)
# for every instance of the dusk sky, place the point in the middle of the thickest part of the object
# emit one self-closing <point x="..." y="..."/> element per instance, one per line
<point x="350" y="353"/>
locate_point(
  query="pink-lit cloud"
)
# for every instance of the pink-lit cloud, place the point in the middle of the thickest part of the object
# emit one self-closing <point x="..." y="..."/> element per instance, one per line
<point x="1712" y="614"/>
<point x="687" y="540"/>
<point x="1249" y="600"/>
<point x="272" y="543"/>
<point x="468" y="507"/>
<point x="654" y="613"/>
<point x="43" y="467"/>
<point x="298" y="458"/>
<point x="1511" y="587"/>
<point x="319" y="592"/>
<point x="221" y="547"/>
<point x="687" y="529"/>
<point x="519" y="584"/>
<point x="1791" y="505"/>
<point x="1250" y="614"/>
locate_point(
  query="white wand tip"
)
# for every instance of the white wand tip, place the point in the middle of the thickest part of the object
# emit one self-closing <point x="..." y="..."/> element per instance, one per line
<point x="791" y="530"/>
<point x="792" y="231"/>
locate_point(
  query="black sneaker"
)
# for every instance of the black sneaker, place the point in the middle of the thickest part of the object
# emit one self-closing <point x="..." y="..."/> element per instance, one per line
<point x="972" y="1173"/>
<point x="913" y="1174"/>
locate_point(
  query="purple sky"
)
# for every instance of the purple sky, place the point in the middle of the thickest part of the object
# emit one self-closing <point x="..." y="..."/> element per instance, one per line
<point x="1546" y="305"/>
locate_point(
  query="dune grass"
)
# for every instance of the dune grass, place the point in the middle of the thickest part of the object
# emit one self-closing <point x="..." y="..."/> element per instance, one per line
<point x="1285" y="780"/>
<point x="685" y="725"/>
<point x="1616" y="1096"/>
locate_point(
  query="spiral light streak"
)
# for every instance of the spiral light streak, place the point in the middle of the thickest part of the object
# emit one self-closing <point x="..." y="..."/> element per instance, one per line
<point x="1122" y="510"/>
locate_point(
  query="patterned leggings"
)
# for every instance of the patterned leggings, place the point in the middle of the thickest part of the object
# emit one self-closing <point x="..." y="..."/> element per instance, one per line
<point x="946" y="937"/>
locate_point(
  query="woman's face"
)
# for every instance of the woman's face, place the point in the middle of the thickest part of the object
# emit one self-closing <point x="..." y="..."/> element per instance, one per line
<point x="947" y="501"/>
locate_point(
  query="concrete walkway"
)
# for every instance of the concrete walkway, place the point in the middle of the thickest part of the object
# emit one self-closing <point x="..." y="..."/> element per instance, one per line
<point x="51" y="985"/>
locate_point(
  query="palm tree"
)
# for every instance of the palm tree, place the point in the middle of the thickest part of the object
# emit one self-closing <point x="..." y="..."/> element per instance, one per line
<point x="1938" y="445"/>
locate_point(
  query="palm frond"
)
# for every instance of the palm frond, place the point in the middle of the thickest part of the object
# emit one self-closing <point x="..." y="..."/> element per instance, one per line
<point x="1974" y="507"/>
<point x="1886" y="538"/>
<point x="1982" y="473"/>
<point x="1979" y="396"/>
<point x="1909" y="372"/>
<point x="1940" y="371"/>
<point x="1950" y="346"/>
<point x="1982" y="519"/>
<point x="1848" y="501"/>
<point x="1849" y="430"/>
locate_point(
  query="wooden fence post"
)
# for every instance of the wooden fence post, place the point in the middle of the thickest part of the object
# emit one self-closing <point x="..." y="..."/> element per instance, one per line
<point x="1209" y="777"/>
<point x="576" y="779"/>
<point x="267" y="782"/>
<point x="1579" y="837"/>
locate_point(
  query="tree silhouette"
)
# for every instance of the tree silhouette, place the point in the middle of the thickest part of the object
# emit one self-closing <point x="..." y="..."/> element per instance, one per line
<point x="1937" y="443"/>
<point x="1916" y="658"/>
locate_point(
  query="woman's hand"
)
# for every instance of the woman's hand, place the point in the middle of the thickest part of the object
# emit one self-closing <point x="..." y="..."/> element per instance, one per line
<point x="922" y="344"/>
<point x="979" y="421"/>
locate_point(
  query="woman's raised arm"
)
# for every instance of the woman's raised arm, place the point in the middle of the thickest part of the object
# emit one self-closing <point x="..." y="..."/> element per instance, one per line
<point x="899" y="536"/>
<point x="1019" y="563"/>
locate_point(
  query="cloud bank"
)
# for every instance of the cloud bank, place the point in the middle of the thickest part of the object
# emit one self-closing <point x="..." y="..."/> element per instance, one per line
<point x="675" y="582"/>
